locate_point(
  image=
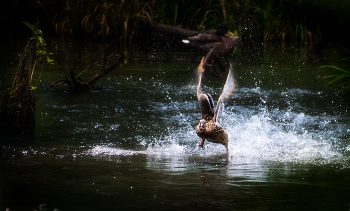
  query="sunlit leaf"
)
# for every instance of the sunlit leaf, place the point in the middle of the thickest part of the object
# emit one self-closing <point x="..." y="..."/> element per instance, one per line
<point x="50" y="61"/>
<point x="29" y="25"/>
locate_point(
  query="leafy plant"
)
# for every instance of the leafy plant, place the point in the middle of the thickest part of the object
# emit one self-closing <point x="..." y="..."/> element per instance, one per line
<point x="342" y="77"/>
<point x="39" y="41"/>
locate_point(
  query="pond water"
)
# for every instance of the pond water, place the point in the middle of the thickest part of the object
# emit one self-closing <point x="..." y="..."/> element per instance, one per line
<point x="133" y="146"/>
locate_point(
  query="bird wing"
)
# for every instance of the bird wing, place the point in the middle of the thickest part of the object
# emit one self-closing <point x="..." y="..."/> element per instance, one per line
<point x="205" y="38"/>
<point x="206" y="102"/>
<point x="200" y="71"/>
<point x="229" y="89"/>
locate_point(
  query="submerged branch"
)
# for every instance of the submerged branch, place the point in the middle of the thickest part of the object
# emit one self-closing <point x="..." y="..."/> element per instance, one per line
<point x="76" y="84"/>
<point x="104" y="71"/>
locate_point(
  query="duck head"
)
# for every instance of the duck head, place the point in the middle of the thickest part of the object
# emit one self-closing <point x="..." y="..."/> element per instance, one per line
<point x="221" y="30"/>
<point x="202" y="123"/>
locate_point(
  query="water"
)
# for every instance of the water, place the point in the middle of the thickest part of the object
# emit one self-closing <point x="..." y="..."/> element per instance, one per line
<point x="133" y="146"/>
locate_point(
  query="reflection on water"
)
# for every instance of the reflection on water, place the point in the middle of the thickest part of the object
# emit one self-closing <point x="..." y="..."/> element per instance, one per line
<point x="134" y="146"/>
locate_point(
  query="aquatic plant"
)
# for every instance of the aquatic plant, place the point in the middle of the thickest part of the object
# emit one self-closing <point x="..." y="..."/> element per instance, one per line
<point x="271" y="20"/>
<point x="341" y="77"/>
<point x="301" y="21"/>
<point x="99" y="18"/>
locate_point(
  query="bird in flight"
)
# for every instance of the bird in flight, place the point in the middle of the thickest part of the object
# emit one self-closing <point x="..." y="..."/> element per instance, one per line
<point x="208" y="127"/>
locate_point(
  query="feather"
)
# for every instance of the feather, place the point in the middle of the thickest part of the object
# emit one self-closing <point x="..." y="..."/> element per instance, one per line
<point x="200" y="71"/>
<point x="206" y="102"/>
<point x="229" y="89"/>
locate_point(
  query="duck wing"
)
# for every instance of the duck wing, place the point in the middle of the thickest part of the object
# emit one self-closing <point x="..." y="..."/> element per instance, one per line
<point x="229" y="89"/>
<point x="205" y="38"/>
<point x="205" y="100"/>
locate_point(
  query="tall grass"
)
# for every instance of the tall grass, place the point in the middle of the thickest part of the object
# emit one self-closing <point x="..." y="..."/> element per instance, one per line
<point x="97" y="18"/>
<point x="298" y="21"/>
<point x="341" y="77"/>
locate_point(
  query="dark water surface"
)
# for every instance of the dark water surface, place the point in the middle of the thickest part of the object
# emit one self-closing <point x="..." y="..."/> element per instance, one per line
<point x="133" y="146"/>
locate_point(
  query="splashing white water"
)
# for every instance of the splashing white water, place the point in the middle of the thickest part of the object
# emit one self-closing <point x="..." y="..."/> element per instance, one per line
<point x="111" y="151"/>
<point x="258" y="138"/>
<point x="252" y="138"/>
<point x="255" y="134"/>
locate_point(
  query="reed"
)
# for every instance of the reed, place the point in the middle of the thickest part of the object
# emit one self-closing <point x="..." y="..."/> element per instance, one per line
<point x="341" y="77"/>
<point x="96" y="18"/>
<point x="297" y="21"/>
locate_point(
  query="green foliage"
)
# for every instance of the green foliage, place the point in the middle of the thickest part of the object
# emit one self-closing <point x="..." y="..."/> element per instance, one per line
<point x="298" y="21"/>
<point x="341" y="77"/>
<point x="37" y="35"/>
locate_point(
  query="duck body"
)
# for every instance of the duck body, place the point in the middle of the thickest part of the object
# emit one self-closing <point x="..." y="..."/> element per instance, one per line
<point x="208" y="127"/>
<point x="223" y="44"/>
<point x="210" y="131"/>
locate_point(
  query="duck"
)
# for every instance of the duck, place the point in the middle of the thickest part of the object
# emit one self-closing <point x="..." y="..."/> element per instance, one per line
<point x="217" y="44"/>
<point x="208" y="127"/>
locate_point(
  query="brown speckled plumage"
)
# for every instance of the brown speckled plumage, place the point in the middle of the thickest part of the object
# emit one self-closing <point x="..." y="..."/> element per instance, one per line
<point x="208" y="128"/>
<point x="212" y="132"/>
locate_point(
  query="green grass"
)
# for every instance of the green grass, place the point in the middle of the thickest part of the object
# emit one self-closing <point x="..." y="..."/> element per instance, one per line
<point x="341" y="77"/>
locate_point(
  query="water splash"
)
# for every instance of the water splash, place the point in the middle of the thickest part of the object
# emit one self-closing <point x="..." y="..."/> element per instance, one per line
<point x="111" y="151"/>
<point x="258" y="137"/>
<point x="256" y="133"/>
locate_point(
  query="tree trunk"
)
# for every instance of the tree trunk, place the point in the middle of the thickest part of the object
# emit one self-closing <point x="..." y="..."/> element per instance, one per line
<point x="17" y="110"/>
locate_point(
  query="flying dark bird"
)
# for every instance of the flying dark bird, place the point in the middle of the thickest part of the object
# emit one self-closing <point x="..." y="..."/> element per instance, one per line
<point x="217" y="44"/>
<point x="208" y="127"/>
